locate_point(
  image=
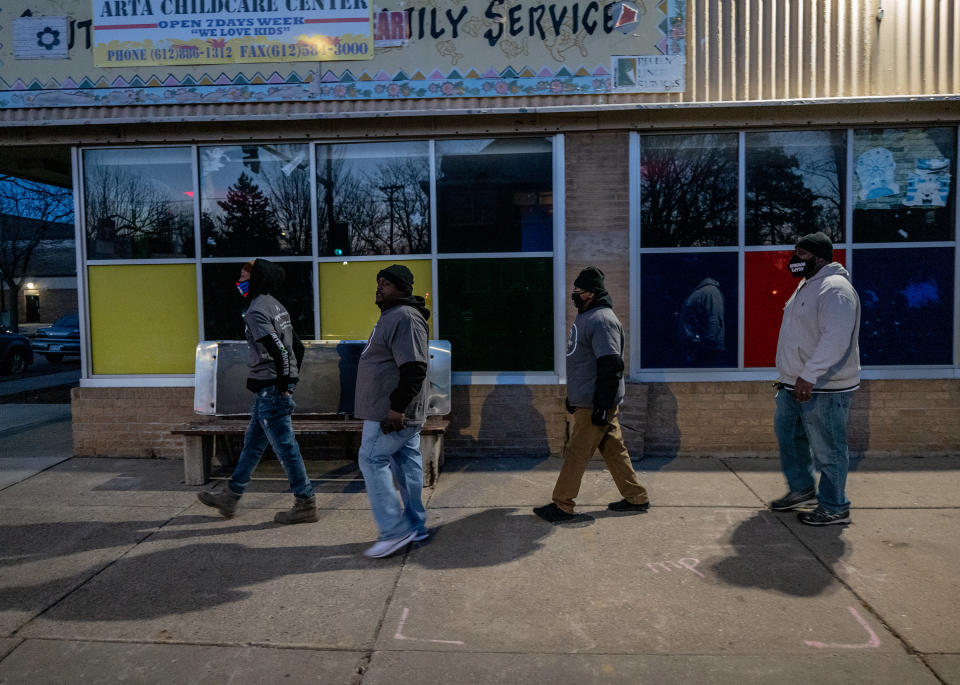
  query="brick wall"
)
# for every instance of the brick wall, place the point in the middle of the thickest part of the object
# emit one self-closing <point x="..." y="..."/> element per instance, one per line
<point x="887" y="417"/>
<point x="598" y="214"/>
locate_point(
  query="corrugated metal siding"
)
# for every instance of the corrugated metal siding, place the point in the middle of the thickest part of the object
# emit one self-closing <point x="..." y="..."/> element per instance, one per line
<point x="737" y="51"/>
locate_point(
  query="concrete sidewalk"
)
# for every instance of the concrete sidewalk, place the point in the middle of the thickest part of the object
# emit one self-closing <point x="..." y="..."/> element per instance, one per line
<point x="110" y="571"/>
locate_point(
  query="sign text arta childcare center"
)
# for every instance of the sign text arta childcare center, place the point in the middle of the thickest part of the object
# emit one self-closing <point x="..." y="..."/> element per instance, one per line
<point x="171" y="32"/>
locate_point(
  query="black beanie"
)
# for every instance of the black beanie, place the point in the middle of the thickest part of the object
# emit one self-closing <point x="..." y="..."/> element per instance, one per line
<point x="400" y="276"/>
<point x="817" y="244"/>
<point x="590" y="279"/>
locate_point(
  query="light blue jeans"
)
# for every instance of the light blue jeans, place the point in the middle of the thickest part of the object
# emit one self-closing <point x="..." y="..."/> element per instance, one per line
<point x="270" y="422"/>
<point x="813" y="436"/>
<point x="386" y="458"/>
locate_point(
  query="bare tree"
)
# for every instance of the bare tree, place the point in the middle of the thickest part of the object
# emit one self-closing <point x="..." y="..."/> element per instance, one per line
<point x="290" y="201"/>
<point x="28" y="210"/>
<point x="124" y="209"/>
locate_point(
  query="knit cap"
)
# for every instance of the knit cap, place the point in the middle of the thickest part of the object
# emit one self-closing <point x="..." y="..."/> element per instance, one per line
<point x="400" y="276"/>
<point x="590" y="279"/>
<point x="817" y="244"/>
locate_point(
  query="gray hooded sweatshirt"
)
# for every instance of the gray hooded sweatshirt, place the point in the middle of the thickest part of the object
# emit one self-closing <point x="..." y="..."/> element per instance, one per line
<point x="819" y="335"/>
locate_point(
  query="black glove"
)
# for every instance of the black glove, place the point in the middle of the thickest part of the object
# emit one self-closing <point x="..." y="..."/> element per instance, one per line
<point x="599" y="417"/>
<point x="570" y="408"/>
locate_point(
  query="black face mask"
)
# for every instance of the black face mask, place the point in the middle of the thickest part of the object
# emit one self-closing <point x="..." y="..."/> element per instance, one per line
<point x="802" y="268"/>
<point x="577" y="302"/>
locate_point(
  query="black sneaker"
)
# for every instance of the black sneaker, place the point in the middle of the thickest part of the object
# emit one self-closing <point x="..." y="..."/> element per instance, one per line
<point x="553" y="514"/>
<point x="624" y="505"/>
<point x="822" y="517"/>
<point x="792" y="500"/>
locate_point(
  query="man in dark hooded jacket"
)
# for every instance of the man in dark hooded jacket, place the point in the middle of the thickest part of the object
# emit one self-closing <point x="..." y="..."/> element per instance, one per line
<point x="595" y="391"/>
<point x="275" y="355"/>
<point x="391" y="399"/>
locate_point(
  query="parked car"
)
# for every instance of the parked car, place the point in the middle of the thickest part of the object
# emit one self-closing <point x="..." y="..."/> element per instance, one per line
<point x="15" y="352"/>
<point x="60" y="339"/>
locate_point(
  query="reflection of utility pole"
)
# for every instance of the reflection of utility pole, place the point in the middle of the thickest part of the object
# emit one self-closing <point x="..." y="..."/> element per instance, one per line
<point x="390" y="190"/>
<point x="337" y="235"/>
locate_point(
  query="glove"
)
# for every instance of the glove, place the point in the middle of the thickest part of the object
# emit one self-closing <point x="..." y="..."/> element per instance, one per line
<point x="570" y="408"/>
<point x="599" y="416"/>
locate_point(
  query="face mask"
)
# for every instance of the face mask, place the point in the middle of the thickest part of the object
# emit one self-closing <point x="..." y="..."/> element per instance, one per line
<point x="802" y="268"/>
<point x="243" y="287"/>
<point x="577" y="302"/>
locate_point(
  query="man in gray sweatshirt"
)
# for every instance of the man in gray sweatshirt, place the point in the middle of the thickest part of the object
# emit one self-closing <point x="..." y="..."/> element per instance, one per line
<point x="275" y="354"/>
<point x="818" y="359"/>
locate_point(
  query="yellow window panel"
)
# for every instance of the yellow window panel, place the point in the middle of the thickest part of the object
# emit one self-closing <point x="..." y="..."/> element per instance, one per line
<point x="347" y="291"/>
<point x="143" y="318"/>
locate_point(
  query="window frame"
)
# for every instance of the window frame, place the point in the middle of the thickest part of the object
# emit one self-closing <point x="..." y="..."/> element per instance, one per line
<point x="638" y="374"/>
<point x="557" y="376"/>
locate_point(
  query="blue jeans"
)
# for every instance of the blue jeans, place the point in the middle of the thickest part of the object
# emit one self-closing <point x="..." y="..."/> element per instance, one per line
<point x="385" y="458"/>
<point x="813" y="435"/>
<point x="270" y="422"/>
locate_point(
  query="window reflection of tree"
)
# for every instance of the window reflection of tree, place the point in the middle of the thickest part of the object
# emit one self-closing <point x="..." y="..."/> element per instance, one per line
<point x="381" y="207"/>
<point x="266" y="210"/>
<point x="689" y="191"/>
<point x="789" y="195"/>
<point x="129" y="215"/>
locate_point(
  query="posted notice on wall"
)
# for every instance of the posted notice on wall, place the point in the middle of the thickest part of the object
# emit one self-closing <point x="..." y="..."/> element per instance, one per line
<point x="172" y="32"/>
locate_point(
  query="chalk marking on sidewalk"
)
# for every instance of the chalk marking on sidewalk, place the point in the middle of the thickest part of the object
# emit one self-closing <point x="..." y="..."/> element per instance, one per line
<point x="872" y="643"/>
<point x="400" y="636"/>
<point x="688" y="563"/>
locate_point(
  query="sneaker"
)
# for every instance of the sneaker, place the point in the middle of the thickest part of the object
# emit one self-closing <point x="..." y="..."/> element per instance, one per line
<point x="792" y="500"/>
<point x="385" y="548"/>
<point x="423" y="535"/>
<point x="822" y="517"/>
<point x="625" y="505"/>
<point x="304" y="510"/>
<point x="551" y="513"/>
<point x="225" y="502"/>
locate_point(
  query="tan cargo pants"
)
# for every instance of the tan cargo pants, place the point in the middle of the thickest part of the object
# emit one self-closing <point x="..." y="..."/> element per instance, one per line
<point x="583" y="440"/>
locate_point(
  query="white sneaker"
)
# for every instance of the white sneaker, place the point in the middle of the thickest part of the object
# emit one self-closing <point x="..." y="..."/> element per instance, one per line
<point x="385" y="548"/>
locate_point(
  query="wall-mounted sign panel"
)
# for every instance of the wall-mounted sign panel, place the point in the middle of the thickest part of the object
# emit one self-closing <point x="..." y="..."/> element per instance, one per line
<point x="140" y="52"/>
<point x="170" y="32"/>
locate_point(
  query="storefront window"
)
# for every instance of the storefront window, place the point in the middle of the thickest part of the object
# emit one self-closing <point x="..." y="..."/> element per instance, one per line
<point x="495" y="195"/>
<point x="906" y="302"/>
<point x="255" y="200"/>
<point x="373" y="199"/>
<point x="767" y="286"/>
<point x="689" y="316"/>
<point x="347" y="290"/>
<point x="223" y="305"/>
<point x="139" y="203"/>
<point x="497" y="313"/>
<point x="794" y="185"/>
<point x="688" y="194"/>
<point x="903" y="184"/>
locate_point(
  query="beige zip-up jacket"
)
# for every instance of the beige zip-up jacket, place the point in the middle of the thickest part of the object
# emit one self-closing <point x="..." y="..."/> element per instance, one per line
<point x="819" y="335"/>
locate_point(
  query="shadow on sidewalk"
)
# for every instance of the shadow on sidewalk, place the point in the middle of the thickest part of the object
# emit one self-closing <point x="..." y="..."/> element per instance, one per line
<point x="152" y="584"/>
<point x="767" y="556"/>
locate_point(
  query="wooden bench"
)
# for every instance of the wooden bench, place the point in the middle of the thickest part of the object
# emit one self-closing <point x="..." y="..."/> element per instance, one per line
<point x="199" y="440"/>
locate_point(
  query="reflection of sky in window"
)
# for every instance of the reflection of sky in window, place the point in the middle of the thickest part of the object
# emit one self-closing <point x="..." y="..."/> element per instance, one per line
<point x="499" y="146"/>
<point x="221" y="166"/>
<point x="166" y="168"/>
<point x="366" y="158"/>
<point x="815" y="155"/>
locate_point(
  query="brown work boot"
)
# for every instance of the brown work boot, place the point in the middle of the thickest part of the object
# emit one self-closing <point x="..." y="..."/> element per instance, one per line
<point x="304" y="511"/>
<point x="225" y="502"/>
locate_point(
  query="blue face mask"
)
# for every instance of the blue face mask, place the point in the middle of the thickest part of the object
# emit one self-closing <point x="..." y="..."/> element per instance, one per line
<point x="243" y="287"/>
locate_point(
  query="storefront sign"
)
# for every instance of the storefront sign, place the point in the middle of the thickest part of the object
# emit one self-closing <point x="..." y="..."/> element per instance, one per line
<point x="149" y="52"/>
<point x="169" y="32"/>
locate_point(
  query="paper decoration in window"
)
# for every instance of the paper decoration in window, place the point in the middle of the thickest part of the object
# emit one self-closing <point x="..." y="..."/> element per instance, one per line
<point x="875" y="169"/>
<point x="929" y="184"/>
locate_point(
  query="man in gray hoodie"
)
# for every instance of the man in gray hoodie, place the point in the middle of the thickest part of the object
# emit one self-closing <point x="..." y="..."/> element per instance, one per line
<point x="275" y="355"/>
<point x="818" y="359"/>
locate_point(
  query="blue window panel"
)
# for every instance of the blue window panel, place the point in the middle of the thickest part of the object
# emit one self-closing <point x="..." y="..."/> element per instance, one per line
<point x="906" y="300"/>
<point x="688" y="312"/>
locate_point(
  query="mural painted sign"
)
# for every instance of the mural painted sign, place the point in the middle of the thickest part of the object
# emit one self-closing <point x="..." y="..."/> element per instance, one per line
<point x="165" y="32"/>
<point x="420" y="49"/>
